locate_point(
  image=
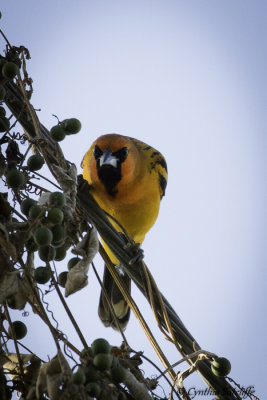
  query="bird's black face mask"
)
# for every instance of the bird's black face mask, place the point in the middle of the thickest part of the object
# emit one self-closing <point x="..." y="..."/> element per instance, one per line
<point x="108" y="167"/>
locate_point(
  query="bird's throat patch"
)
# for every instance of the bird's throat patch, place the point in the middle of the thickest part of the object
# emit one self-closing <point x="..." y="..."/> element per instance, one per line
<point x="110" y="177"/>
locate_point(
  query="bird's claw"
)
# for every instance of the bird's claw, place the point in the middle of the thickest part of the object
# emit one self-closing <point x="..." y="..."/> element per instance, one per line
<point x="139" y="256"/>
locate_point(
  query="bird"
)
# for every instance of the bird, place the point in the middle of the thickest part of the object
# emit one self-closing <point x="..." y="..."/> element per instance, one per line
<point x="128" y="179"/>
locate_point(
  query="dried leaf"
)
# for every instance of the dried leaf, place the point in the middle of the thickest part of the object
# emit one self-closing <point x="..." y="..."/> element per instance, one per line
<point x="51" y="377"/>
<point x="67" y="180"/>
<point x="44" y="199"/>
<point x="77" y="276"/>
<point x="31" y="365"/>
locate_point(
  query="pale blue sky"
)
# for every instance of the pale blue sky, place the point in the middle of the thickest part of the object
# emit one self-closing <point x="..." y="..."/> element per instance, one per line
<point x="189" y="78"/>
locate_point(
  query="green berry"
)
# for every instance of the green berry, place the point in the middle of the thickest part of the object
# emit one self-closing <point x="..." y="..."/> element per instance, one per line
<point x="2" y="62"/>
<point x="20" y="330"/>
<point x="100" y="346"/>
<point x="71" y="126"/>
<point x="60" y="253"/>
<point x="42" y="274"/>
<point x="47" y="253"/>
<point x="72" y="262"/>
<point x="102" y="361"/>
<point x="57" y="199"/>
<point x="10" y="70"/>
<point x="221" y="366"/>
<point x="55" y="216"/>
<point x="2" y="92"/>
<point x="58" y="233"/>
<point x="36" y="212"/>
<point x="4" y="124"/>
<point x="62" y="278"/>
<point x="118" y="374"/>
<point x="15" y="178"/>
<point x="57" y="133"/>
<point x="2" y="112"/>
<point x="26" y="205"/>
<point x="43" y="236"/>
<point x="31" y="246"/>
<point x="93" y="389"/>
<point x="78" y="378"/>
<point x="61" y="243"/>
<point x="91" y="373"/>
<point x="11" y="302"/>
<point x="35" y="162"/>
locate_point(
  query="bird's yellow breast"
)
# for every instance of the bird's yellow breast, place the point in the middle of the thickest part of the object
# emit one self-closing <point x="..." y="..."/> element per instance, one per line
<point x="136" y="199"/>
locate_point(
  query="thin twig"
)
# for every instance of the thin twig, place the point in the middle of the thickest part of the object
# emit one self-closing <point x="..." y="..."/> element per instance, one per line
<point x="74" y="323"/>
<point x="110" y="305"/>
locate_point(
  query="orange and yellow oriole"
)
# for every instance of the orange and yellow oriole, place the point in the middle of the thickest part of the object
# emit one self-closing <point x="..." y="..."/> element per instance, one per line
<point x="128" y="179"/>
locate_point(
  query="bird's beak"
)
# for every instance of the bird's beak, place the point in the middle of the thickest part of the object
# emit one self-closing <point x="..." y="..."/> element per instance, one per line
<point x="108" y="158"/>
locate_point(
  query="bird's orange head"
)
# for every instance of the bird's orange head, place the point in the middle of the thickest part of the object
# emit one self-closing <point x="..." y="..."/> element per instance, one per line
<point x="111" y="160"/>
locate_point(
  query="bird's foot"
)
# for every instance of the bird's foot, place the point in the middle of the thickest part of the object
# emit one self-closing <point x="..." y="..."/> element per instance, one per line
<point x="135" y="247"/>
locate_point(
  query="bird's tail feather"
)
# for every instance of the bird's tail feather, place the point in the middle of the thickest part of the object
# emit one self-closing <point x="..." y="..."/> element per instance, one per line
<point x="120" y="306"/>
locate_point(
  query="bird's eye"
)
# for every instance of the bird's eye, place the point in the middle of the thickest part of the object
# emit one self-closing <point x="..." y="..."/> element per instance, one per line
<point x="97" y="152"/>
<point x="122" y="154"/>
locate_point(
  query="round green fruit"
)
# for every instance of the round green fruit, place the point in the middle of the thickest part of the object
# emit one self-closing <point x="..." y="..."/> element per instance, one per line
<point x="60" y="253"/>
<point x="57" y="133"/>
<point x="2" y="92"/>
<point x="118" y="374"/>
<point x="15" y="178"/>
<point x="42" y="274"/>
<point x="62" y="278"/>
<point x="35" y="162"/>
<point x="57" y="199"/>
<point x="221" y="366"/>
<point x="11" y="302"/>
<point x="31" y="246"/>
<point x="100" y="346"/>
<point x="26" y="205"/>
<point x="10" y="70"/>
<point x="91" y="373"/>
<point x="55" y="216"/>
<point x="72" y="262"/>
<point x="71" y="126"/>
<point x="2" y="112"/>
<point x="93" y="389"/>
<point x="2" y="62"/>
<point x="102" y="361"/>
<point x="20" y="330"/>
<point x="36" y="212"/>
<point x="58" y="233"/>
<point x="78" y="378"/>
<point x="4" y="124"/>
<point x="43" y="236"/>
<point x="47" y="253"/>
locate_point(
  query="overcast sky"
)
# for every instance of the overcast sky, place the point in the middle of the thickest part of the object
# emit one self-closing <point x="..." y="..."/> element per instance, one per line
<point x="188" y="78"/>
